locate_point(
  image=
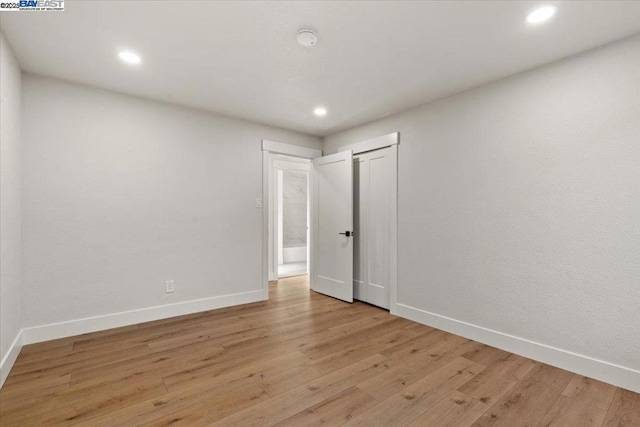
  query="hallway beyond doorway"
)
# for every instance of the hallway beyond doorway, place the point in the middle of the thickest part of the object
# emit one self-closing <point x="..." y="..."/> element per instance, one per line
<point x="289" y="269"/>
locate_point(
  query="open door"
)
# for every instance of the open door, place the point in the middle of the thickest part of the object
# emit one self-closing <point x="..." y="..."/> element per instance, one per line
<point x="332" y="225"/>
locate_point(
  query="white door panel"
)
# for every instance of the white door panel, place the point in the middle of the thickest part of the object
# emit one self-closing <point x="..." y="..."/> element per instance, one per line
<point x="331" y="214"/>
<point x="378" y="207"/>
<point x="372" y="210"/>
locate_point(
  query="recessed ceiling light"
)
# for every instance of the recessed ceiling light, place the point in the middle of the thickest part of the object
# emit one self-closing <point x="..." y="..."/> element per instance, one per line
<point x="541" y="14"/>
<point x="320" y="111"/>
<point x="129" y="57"/>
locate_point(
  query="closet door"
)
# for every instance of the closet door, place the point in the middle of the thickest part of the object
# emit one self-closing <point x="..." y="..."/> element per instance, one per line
<point x="372" y="215"/>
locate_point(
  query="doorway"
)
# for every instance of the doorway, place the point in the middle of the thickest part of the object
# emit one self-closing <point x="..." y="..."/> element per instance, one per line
<point x="292" y="216"/>
<point x="277" y="156"/>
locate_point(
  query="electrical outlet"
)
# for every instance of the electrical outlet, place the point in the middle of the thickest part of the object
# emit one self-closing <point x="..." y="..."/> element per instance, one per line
<point x="169" y="286"/>
<point x="258" y="202"/>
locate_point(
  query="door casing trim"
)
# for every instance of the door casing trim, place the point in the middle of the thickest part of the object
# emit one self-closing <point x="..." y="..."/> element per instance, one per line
<point x="270" y="150"/>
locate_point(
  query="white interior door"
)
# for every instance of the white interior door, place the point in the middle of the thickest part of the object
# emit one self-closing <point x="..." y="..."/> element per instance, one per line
<point x="373" y="204"/>
<point x="331" y="225"/>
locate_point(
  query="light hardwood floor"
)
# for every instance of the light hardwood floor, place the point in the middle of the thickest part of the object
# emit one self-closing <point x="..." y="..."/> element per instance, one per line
<point x="299" y="359"/>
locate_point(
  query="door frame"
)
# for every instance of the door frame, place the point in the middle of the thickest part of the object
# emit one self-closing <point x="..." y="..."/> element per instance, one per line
<point x="391" y="140"/>
<point x="270" y="150"/>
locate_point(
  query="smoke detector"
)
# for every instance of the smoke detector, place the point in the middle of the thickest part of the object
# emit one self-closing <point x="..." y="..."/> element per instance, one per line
<point x="307" y="38"/>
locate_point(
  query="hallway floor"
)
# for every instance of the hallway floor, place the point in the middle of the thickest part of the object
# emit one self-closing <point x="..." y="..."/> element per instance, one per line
<point x="290" y="269"/>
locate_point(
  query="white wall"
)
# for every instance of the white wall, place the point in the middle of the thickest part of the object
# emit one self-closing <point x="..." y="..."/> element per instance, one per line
<point x="519" y="206"/>
<point x="123" y="193"/>
<point x="10" y="209"/>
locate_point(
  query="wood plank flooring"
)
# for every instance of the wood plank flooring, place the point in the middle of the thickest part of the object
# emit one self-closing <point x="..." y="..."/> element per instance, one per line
<point x="300" y="359"/>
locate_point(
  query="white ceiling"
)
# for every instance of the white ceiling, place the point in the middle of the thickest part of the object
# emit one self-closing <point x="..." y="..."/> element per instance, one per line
<point x="242" y="59"/>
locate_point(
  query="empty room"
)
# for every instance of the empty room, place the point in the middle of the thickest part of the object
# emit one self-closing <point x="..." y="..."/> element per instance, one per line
<point x="299" y="213"/>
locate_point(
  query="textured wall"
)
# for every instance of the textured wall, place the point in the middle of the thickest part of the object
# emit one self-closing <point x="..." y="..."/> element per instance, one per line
<point x="519" y="207"/>
<point x="10" y="199"/>
<point x="294" y="193"/>
<point x="123" y="193"/>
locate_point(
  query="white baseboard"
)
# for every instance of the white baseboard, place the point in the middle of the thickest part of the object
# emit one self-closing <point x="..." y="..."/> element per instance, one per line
<point x="10" y="358"/>
<point x="98" y="323"/>
<point x="619" y="376"/>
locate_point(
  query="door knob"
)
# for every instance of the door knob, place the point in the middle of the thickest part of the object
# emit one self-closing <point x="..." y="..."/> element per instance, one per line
<point x="347" y="233"/>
